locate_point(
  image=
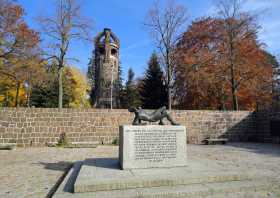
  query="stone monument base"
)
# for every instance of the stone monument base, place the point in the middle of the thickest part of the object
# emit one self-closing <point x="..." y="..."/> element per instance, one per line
<point x="154" y="163"/>
<point x="102" y="178"/>
<point x="105" y="174"/>
<point x="152" y="146"/>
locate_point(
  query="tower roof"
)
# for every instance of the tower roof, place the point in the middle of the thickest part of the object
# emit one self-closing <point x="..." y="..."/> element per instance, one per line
<point x="107" y="36"/>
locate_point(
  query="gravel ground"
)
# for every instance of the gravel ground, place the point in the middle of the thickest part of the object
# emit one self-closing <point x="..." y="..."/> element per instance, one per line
<point x="33" y="172"/>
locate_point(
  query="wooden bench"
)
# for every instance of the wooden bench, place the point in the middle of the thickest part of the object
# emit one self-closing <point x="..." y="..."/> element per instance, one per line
<point x="215" y="140"/>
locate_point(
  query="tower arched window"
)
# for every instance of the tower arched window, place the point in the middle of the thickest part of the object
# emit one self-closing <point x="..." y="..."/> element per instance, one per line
<point x="113" y="52"/>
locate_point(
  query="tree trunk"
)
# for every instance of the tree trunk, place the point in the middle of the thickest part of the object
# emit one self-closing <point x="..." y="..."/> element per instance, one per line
<point x="60" y="87"/>
<point x="235" y="100"/>
<point x="169" y="79"/>
<point x="233" y="89"/>
<point x="29" y="95"/>
<point x="169" y="97"/>
<point x="17" y="94"/>
<point x="222" y="99"/>
<point x="232" y="68"/>
<point x="6" y="99"/>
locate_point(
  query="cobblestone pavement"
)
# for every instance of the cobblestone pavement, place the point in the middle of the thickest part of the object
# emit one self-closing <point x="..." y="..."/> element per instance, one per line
<point x="33" y="172"/>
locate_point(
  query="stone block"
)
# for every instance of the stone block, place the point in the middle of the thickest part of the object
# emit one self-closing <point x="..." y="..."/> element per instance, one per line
<point x="103" y="174"/>
<point x="152" y="146"/>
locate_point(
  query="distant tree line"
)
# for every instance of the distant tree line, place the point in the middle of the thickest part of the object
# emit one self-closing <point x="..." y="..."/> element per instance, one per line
<point x="149" y="92"/>
<point x="31" y="75"/>
<point x="215" y="62"/>
<point x="218" y="62"/>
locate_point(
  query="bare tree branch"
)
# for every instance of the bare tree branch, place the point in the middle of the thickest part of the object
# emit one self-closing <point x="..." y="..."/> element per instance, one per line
<point x="165" y="27"/>
<point x="64" y="27"/>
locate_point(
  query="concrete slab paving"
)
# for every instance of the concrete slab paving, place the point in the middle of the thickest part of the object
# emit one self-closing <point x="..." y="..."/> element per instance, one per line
<point x="33" y="172"/>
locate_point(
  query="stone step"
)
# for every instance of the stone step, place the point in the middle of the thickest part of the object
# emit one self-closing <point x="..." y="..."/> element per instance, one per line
<point x="230" y="189"/>
<point x="196" y="180"/>
<point x="105" y="174"/>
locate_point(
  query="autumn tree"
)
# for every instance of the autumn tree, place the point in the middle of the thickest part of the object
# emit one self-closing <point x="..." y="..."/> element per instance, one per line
<point x="276" y="80"/>
<point x="238" y="27"/>
<point x="19" y="51"/>
<point x="153" y="91"/>
<point x="10" y="95"/>
<point x="165" y="26"/>
<point x="205" y="71"/>
<point x="66" y="25"/>
<point x="276" y="86"/>
<point x="45" y="93"/>
<point x="79" y="87"/>
<point x="75" y="86"/>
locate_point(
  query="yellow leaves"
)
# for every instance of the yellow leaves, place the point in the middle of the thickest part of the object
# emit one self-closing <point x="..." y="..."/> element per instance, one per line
<point x="8" y="92"/>
<point x="19" y="54"/>
<point x="79" y="85"/>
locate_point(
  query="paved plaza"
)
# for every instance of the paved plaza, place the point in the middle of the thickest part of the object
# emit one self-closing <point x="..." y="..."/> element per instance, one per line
<point x="34" y="172"/>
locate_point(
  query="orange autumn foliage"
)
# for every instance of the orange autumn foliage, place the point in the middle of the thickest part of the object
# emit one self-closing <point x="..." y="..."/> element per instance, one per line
<point x="19" y="53"/>
<point x="203" y="75"/>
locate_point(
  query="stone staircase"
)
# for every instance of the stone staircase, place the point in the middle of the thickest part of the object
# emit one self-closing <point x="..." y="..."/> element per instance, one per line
<point x="102" y="178"/>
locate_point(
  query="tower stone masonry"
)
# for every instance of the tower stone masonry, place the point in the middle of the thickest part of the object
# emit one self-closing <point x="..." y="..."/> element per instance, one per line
<point x="106" y="69"/>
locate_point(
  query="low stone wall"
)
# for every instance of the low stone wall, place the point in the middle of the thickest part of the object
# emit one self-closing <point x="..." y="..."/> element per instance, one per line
<point x="38" y="126"/>
<point x="268" y="126"/>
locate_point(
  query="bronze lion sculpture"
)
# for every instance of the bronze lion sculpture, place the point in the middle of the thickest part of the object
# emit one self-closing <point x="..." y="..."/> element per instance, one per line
<point x="157" y="115"/>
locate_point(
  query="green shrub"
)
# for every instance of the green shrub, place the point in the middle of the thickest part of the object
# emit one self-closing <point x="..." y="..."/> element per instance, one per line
<point x="62" y="141"/>
<point x="116" y="141"/>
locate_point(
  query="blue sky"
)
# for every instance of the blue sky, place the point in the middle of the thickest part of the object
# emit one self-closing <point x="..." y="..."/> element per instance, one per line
<point x="125" y="18"/>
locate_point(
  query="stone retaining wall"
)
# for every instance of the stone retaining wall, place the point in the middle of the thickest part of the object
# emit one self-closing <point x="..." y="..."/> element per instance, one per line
<point x="38" y="126"/>
<point x="265" y="129"/>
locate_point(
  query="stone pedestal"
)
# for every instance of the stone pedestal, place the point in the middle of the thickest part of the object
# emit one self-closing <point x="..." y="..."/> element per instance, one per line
<point x="155" y="161"/>
<point x="152" y="146"/>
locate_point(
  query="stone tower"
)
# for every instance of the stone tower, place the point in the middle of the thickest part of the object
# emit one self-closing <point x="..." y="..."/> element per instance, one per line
<point x="106" y="67"/>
